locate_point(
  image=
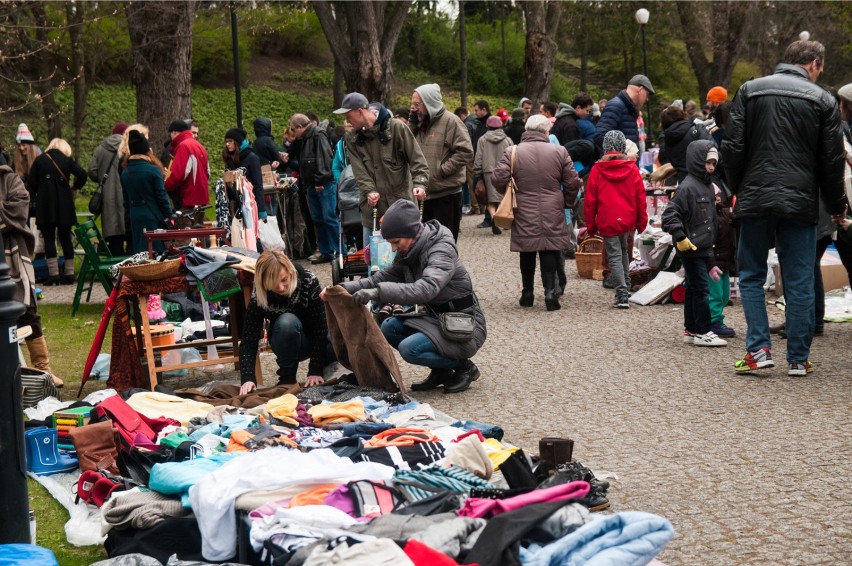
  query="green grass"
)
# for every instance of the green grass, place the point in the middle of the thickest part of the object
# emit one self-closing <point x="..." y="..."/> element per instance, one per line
<point x="69" y="340"/>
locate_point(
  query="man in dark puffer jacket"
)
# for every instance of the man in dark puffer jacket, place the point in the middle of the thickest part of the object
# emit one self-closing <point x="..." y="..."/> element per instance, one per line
<point x="622" y="111"/>
<point x="789" y="156"/>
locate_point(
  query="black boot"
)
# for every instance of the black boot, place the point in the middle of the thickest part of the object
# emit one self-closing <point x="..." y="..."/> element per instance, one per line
<point x="527" y="295"/>
<point x="437" y="377"/>
<point x="562" y="279"/>
<point x="464" y="374"/>
<point x="551" y="286"/>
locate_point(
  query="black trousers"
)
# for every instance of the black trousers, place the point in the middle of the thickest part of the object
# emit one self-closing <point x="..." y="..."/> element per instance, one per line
<point x="696" y="306"/>
<point x="549" y="260"/>
<point x="446" y="210"/>
<point x="50" y="232"/>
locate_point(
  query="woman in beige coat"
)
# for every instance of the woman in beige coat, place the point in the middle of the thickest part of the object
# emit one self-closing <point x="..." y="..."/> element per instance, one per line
<point x="546" y="183"/>
<point x="489" y="150"/>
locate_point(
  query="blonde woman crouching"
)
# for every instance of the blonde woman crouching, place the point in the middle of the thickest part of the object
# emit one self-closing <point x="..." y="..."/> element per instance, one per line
<point x="288" y="297"/>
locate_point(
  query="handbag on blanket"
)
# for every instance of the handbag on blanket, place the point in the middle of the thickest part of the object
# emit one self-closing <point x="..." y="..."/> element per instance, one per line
<point x="35" y="386"/>
<point x="97" y="446"/>
<point x="128" y="422"/>
<point x="505" y="215"/>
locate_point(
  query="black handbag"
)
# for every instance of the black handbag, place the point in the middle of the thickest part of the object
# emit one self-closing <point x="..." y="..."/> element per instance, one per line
<point x="457" y="326"/>
<point x="96" y="203"/>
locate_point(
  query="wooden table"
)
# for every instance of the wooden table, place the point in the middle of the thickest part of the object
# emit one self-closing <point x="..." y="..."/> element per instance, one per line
<point x="136" y="294"/>
<point x="166" y="235"/>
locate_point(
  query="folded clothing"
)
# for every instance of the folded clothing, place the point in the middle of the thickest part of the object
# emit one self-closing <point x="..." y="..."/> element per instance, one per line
<point x="141" y="509"/>
<point x="344" y="412"/>
<point x="401" y="437"/>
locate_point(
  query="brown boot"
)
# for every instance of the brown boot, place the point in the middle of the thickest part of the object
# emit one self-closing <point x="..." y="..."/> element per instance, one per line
<point x="40" y="359"/>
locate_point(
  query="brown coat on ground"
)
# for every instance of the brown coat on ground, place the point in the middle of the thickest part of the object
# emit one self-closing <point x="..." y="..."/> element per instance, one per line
<point x="359" y="344"/>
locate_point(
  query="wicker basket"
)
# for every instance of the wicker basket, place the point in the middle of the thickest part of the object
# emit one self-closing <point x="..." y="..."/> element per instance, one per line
<point x="589" y="257"/>
<point x="151" y="271"/>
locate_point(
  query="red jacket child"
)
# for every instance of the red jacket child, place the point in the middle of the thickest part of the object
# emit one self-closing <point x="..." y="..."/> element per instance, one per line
<point x="615" y="197"/>
<point x="189" y="173"/>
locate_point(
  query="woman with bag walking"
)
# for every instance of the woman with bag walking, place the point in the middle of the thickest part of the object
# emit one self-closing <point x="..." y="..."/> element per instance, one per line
<point x="545" y="184"/>
<point x="105" y="170"/>
<point x="49" y="181"/>
<point x="489" y="150"/>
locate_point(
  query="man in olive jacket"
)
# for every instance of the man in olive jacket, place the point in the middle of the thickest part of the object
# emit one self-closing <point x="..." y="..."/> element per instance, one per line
<point x="784" y="151"/>
<point x="386" y="160"/>
<point x="446" y="144"/>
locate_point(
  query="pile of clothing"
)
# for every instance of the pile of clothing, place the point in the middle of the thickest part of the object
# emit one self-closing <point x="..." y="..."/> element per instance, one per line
<point x="345" y="474"/>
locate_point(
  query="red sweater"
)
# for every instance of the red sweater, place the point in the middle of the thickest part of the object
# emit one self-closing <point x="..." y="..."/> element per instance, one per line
<point x="189" y="173"/>
<point x="615" y="197"/>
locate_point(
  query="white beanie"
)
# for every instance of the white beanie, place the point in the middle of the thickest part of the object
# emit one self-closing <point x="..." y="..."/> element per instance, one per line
<point x="24" y="135"/>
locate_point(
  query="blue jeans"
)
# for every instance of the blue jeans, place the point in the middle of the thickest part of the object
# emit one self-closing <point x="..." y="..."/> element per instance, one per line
<point x="696" y="305"/>
<point x="291" y="344"/>
<point x="323" y="205"/>
<point x="796" y="246"/>
<point x="414" y="347"/>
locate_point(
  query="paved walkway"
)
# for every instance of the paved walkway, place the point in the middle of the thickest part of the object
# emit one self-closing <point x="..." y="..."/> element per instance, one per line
<point x="750" y="470"/>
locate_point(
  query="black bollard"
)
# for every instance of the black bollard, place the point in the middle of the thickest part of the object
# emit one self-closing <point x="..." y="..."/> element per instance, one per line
<point x="14" y="499"/>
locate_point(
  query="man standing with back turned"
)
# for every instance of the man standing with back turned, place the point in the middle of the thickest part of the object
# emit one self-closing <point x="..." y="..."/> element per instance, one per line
<point x="789" y="156"/>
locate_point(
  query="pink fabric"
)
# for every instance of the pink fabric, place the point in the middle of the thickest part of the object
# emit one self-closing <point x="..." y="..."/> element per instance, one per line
<point x="478" y="507"/>
<point x="269" y="509"/>
<point x="339" y="498"/>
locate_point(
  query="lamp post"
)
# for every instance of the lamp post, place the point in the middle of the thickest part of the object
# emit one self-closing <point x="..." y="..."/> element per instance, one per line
<point x="235" y="44"/>
<point x="642" y="16"/>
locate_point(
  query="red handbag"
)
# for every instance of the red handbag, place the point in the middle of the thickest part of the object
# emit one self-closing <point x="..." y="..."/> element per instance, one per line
<point x="128" y="422"/>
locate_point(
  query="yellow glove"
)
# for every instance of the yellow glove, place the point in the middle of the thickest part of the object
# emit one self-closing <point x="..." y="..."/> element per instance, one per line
<point x="685" y="245"/>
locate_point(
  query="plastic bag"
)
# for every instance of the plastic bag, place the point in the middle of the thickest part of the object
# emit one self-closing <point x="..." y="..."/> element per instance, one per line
<point x="269" y="234"/>
<point x="84" y="524"/>
<point x="381" y="253"/>
<point x="181" y="356"/>
<point x="100" y="370"/>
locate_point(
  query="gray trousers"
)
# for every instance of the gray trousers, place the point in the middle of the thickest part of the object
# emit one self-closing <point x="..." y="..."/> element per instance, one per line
<point x="618" y="259"/>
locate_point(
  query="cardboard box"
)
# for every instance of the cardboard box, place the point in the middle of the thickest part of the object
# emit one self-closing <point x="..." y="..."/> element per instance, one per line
<point x="834" y="275"/>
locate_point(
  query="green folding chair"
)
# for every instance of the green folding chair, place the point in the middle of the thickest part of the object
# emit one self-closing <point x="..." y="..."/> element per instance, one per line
<point x="96" y="262"/>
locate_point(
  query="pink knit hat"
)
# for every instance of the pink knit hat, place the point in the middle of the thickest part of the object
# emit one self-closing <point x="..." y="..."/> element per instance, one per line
<point x="24" y="135"/>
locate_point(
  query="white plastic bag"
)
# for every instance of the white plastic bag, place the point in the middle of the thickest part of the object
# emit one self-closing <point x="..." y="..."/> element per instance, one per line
<point x="269" y="234"/>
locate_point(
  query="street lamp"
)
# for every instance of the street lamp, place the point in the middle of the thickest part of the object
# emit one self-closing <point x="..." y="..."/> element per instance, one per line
<point x="642" y="16"/>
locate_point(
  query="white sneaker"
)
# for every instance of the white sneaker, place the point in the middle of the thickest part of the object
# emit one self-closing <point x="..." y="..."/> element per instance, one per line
<point x="465" y="210"/>
<point x="709" y="339"/>
<point x="688" y="337"/>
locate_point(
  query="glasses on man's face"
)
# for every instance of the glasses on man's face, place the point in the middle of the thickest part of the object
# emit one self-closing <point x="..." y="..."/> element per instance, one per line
<point x="417" y="105"/>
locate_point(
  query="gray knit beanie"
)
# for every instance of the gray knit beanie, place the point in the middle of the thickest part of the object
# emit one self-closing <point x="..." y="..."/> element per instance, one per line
<point x="402" y="220"/>
<point x="614" y="140"/>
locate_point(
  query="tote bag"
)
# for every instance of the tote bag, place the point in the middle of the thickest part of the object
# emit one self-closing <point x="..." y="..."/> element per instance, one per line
<point x="505" y="215"/>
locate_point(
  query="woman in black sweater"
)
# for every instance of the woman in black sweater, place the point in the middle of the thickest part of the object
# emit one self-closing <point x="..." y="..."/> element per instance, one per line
<point x="288" y="297"/>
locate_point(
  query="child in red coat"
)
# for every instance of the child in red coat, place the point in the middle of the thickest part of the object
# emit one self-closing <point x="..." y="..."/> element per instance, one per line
<point x="615" y="207"/>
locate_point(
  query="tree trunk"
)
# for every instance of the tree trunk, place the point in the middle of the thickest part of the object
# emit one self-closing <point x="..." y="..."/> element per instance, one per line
<point x="542" y="19"/>
<point x="730" y="20"/>
<point x="161" y="37"/>
<point x="47" y="71"/>
<point x="76" y="22"/>
<point x="337" y="88"/>
<point x="462" y="54"/>
<point x="365" y="52"/>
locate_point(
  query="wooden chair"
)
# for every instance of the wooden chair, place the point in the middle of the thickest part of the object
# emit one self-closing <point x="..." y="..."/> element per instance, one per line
<point x="96" y="262"/>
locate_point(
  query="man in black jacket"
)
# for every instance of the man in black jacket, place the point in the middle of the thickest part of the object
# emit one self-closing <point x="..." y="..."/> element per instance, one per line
<point x="790" y="155"/>
<point x="316" y="179"/>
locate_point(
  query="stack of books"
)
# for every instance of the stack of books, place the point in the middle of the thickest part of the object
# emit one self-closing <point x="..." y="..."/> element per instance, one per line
<point x="66" y="420"/>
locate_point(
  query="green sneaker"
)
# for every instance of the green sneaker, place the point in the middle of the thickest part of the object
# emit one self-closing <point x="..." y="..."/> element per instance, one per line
<point x="754" y="361"/>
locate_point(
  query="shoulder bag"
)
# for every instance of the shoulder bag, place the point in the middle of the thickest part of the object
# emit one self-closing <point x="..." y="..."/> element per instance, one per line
<point x="96" y="203"/>
<point x="505" y="215"/>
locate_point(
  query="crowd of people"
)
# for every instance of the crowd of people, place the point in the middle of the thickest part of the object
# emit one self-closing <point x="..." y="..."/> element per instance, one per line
<point x="568" y="165"/>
